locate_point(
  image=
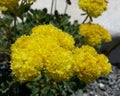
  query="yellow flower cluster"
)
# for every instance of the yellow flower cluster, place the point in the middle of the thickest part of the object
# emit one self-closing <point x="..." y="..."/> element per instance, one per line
<point x="93" y="7"/>
<point x="3" y="8"/>
<point x="6" y="4"/>
<point x="106" y="67"/>
<point x="9" y="4"/>
<point x="90" y="64"/>
<point x="94" y="34"/>
<point x="26" y="62"/>
<point x="46" y="46"/>
<point x="62" y="38"/>
<point x="53" y="50"/>
<point x="60" y="65"/>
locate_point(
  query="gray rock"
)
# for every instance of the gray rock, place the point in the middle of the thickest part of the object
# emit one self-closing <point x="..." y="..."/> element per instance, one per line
<point x="105" y="94"/>
<point x="85" y="94"/>
<point x="78" y="93"/>
<point x="102" y="87"/>
<point x="112" y="82"/>
<point x="117" y="93"/>
<point x="92" y="93"/>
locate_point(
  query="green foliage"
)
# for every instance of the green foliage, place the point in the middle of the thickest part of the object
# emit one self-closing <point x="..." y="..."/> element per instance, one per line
<point x="40" y="17"/>
<point x="5" y="30"/>
<point x="43" y="85"/>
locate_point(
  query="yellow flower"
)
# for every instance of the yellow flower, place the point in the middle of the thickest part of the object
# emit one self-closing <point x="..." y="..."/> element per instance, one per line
<point x="3" y="8"/>
<point x="45" y="49"/>
<point x="47" y="46"/>
<point x="58" y="58"/>
<point x="26" y="62"/>
<point x="89" y="66"/>
<point x="105" y="65"/>
<point x="11" y="4"/>
<point x="6" y="4"/>
<point x="64" y="39"/>
<point x="94" y="34"/>
<point x="59" y="65"/>
<point x="93" y="7"/>
<point x="86" y="62"/>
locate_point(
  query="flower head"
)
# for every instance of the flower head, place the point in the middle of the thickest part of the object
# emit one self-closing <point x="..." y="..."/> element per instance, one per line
<point x="105" y="65"/>
<point x="26" y="62"/>
<point x="47" y="46"/>
<point x="90" y="67"/>
<point x="93" y="7"/>
<point x="6" y="4"/>
<point x="94" y="34"/>
<point x="64" y="39"/>
<point x="59" y="65"/>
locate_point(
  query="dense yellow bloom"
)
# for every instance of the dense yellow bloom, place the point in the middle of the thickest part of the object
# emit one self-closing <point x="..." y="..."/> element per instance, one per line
<point x="94" y="34"/>
<point x="93" y="7"/>
<point x="59" y="65"/>
<point x="105" y="65"/>
<point x="90" y="67"/>
<point x="59" y="59"/>
<point x="6" y="4"/>
<point x="53" y="50"/>
<point x="63" y="39"/>
<point x="26" y="62"/>
<point x="86" y="62"/>
<point x="44" y="47"/>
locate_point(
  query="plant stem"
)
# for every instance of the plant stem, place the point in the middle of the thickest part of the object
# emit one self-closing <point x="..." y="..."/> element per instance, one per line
<point x="66" y="8"/>
<point x="85" y="19"/>
<point x="8" y="36"/>
<point x="15" y="26"/>
<point x="52" y="6"/>
<point x="55" y="4"/>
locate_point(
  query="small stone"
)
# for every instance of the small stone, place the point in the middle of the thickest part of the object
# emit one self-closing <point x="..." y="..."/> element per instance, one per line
<point x="85" y="94"/>
<point x="117" y="93"/>
<point x="112" y="82"/>
<point x="79" y="93"/>
<point x="112" y="76"/>
<point x="105" y="94"/>
<point x="104" y="81"/>
<point x="92" y="94"/>
<point x="102" y="87"/>
<point x="118" y="81"/>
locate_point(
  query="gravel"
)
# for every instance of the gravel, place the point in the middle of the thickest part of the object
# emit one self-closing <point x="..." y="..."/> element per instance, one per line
<point x="104" y="86"/>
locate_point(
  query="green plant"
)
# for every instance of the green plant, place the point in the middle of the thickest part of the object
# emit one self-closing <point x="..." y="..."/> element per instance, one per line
<point x="21" y="20"/>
